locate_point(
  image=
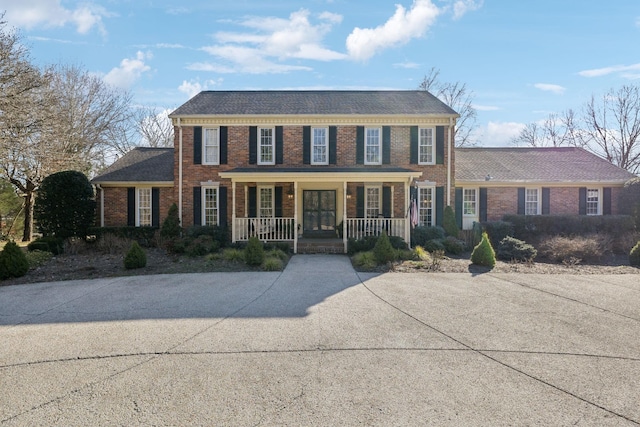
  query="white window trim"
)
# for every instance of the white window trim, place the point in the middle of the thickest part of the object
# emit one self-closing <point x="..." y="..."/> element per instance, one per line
<point x="379" y="162"/>
<point x="273" y="146"/>
<point x="259" y="201"/>
<point x="326" y="144"/>
<point x="204" y="146"/>
<point x="538" y="198"/>
<point x="434" y="210"/>
<point x="600" y="201"/>
<point x="366" y="199"/>
<point x="476" y="213"/>
<point x="138" y="189"/>
<point x="433" y="146"/>
<point x="204" y="187"/>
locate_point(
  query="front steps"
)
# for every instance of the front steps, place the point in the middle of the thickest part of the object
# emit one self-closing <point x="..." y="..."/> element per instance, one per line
<point x="320" y="246"/>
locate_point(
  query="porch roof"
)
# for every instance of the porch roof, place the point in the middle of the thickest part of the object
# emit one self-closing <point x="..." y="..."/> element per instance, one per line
<point x="313" y="173"/>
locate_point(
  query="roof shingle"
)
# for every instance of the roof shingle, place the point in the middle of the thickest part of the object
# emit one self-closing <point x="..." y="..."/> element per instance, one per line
<point x="142" y="164"/>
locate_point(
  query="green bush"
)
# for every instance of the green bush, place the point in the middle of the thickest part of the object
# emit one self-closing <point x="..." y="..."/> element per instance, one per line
<point x="383" y="250"/>
<point x="171" y="226"/>
<point x="368" y="243"/>
<point x="421" y="254"/>
<point x="233" y="255"/>
<point x="434" y="245"/>
<point x="629" y="201"/>
<point x="145" y="236"/>
<point x="52" y="244"/>
<point x="280" y="246"/>
<point x="483" y="254"/>
<point x="365" y="260"/>
<point x="453" y="245"/>
<point x="530" y="227"/>
<point x="497" y="230"/>
<point x="512" y="249"/>
<point x="220" y="234"/>
<point x="449" y="222"/>
<point x="201" y="245"/>
<point x="277" y="253"/>
<point x="135" y="257"/>
<point x="254" y="252"/>
<point x="37" y="258"/>
<point x="272" y="264"/>
<point x="477" y="230"/>
<point x="634" y="255"/>
<point x="421" y="235"/>
<point x="405" y="254"/>
<point x="13" y="262"/>
<point x="588" y="248"/>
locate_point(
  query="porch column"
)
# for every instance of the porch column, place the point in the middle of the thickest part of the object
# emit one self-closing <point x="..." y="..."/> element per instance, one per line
<point x="407" y="221"/>
<point x="344" y="215"/>
<point x="295" y="217"/>
<point x="233" y="212"/>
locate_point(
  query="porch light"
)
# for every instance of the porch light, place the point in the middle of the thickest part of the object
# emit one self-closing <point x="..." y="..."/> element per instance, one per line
<point x="290" y="193"/>
<point x="348" y="193"/>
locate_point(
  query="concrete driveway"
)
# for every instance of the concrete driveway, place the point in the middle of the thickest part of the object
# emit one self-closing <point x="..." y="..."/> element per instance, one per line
<point x="319" y="344"/>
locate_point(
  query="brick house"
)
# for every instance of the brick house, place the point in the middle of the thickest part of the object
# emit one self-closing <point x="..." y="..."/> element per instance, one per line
<point x="291" y="165"/>
<point x="493" y="182"/>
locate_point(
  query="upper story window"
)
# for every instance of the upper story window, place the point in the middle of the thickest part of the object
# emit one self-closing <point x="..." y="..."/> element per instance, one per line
<point x="266" y="146"/>
<point x="532" y="201"/>
<point x="425" y="206"/>
<point x="469" y="202"/>
<point x="372" y="146"/>
<point x="426" y="147"/>
<point x="593" y="201"/>
<point x="210" y="205"/>
<point x="144" y="207"/>
<point x="373" y="202"/>
<point x="320" y="146"/>
<point x="265" y="202"/>
<point x="211" y="146"/>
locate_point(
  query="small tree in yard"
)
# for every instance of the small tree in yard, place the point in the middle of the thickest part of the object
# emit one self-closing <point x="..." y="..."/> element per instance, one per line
<point x="383" y="250"/>
<point x="65" y="206"/>
<point x="13" y="262"/>
<point x="483" y="254"/>
<point x="449" y="222"/>
<point x="171" y="226"/>
<point x="254" y="252"/>
<point x="135" y="257"/>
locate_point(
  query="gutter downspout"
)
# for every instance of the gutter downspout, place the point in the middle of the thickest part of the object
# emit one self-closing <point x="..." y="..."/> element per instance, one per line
<point x="449" y="164"/>
<point x="101" y="204"/>
<point x="180" y="171"/>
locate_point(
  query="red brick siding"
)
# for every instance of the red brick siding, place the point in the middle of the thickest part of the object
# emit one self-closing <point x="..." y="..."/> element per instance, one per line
<point x="115" y="205"/>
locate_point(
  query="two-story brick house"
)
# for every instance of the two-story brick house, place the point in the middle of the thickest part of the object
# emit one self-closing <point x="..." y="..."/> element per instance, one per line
<point x="283" y="165"/>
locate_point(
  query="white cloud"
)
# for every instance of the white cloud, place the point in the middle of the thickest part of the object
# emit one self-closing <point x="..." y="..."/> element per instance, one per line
<point x="50" y="13"/>
<point x="130" y="70"/>
<point x="193" y="87"/>
<point x="547" y="87"/>
<point x="461" y="7"/>
<point x="363" y="43"/>
<point x="485" y="107"/>
<point x="408" y="65"/>
<point x="624" y="70"/>
<point x="498" y="134"/>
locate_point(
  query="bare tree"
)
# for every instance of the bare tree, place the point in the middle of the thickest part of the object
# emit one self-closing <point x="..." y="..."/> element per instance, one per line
<point x="612" y="126"/>
<point x="457" y="96"/>
<point x="155" y="127"/>
<point x="556" y="130"/>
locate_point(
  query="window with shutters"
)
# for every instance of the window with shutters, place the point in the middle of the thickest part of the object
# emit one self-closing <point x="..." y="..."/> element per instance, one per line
<point x="210" y="204"/>
<point x="372" y="146"/>
<point x="211" y="146"/>
<point x="373" y="202"/>
<point x="426" y="146"/>
<point x="265" y="202"/>
<point x="532" y="203"/>
<point x="470" y="202"/>
<point x="593" y="201"/>
<point x="266" y="146"/>
<point x="144" y="207"/>
<point x="319" y="146"/>
<point x="426" y="216"/>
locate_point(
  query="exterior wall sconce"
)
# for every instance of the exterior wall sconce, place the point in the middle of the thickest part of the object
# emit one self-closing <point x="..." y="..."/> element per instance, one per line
<point x="290" y="193"/>
<point x="349" y="194"/>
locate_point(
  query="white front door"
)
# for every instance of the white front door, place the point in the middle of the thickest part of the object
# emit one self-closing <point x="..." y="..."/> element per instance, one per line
<point x="470" y="207"/>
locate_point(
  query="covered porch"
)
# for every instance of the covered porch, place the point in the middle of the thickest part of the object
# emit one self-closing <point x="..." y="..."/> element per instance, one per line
<point x="289" y="204"/>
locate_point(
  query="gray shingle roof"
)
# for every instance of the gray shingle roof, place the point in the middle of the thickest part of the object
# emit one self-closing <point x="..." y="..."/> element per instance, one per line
<point x="377" y="102"/>
<point x="551" y="164"/>
<point x="142" y="164"/>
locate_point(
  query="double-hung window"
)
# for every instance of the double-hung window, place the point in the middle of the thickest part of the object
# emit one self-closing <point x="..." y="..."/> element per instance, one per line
<point x="469" y="202"/>
<point x="319" y="146"/>
<point x="211" y="146"/>
<point x="372" y="146"/>
<point x="210" y="204"/>
<point x="426" y="147"/>
<point x="144" y="207"/>
<point x="265" y="202"/>
<point x="425" y="206"/>
<point x="593" y="201"/>
<point x="532" y="201"/>
<point x="373" y="202"/>
<point x="266" y="146"/>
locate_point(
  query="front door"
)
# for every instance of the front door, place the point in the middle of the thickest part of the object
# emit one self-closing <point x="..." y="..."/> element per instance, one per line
<point x="319" y="213"/>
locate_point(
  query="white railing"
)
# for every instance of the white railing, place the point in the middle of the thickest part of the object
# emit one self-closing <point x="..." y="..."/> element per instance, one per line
<point x="265" y="229"/>
<point x="357" y="228"/>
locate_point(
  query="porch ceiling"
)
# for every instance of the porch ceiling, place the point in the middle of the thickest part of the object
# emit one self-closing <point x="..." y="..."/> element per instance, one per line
<point x="387" y="174"/>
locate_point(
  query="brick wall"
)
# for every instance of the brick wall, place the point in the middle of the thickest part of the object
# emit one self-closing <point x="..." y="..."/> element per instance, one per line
<point x="115" y="205"/>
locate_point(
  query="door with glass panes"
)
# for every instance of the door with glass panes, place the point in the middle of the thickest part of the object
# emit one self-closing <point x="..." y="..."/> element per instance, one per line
<point x="319" y="213"/>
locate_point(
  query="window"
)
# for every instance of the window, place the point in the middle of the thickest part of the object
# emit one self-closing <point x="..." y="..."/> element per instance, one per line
<point x="531" y="201"/>
<point x="372" y="146"/>
<point x="144" y="207"/>
<point x="266" y="147"/>
<point x="593" y="201"/>
<point x="319" y="146"/>
<point x="372" y="207"/>
<point x="265" y="202"/>
<point x="211" y="147"/>
<point x="425" y="206"/>
<point x="469" y="202"/>
<point x="425" y="147"/>
<point x="210" y="205"/>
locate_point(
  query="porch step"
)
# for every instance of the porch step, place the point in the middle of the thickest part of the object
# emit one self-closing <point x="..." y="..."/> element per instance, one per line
<point x="320" y="246"/>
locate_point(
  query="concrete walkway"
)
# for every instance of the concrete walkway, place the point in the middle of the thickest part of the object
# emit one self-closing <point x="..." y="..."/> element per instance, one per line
<point x="320" y="344"/>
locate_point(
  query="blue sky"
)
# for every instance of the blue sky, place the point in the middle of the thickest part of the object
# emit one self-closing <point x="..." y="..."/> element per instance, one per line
<point x="522" y="59"/>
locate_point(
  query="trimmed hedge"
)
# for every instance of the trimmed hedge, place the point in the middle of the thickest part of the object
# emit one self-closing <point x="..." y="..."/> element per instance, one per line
<point x="512" y="249"/>
<point x="526" y="227"/>
<point x="52" y="244"/>
<point x="368" y="243"/>
<point x="421" y="235"/>
<point x="498" y="230"/>
<point x="145" y="236"/>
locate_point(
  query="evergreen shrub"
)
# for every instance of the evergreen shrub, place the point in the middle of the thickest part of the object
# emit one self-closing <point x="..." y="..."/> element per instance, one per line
<point x="483" y="254"/>
<point x="135" y="257"/>
<point x="449" y="222"/>
<point x="171" y="226"/>
<point x="13" y="262"/>
<point x="512" y="249"/>
<point x="383" y="250"/>
<point x="254" y="252"/>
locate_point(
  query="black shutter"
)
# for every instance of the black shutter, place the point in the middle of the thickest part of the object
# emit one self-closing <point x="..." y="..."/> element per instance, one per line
<point x="386" y="145"/>
<point x="155" y="207"/>
<point x="386" y="202"/>
<point x="279" y="146"/>
<point x="253" y="145"/>
<point x="360" y="202"/>
<point x="606" y="201"/>
<point x="459" y="207"/>
<point x="278" y="202"/>
<point x="223" y="145"/>
<point x="197" y="205"/>
<point x="582" y="201"/>
<point x="440" y="145"/>
<point x="222" y="206"/>
<point x="414" y="145"/>
<point x="360" y="145"/>
<point x="546" y="201"/>
<point x="197" y="145"/>
<point x="131" y="207"/>
<point x="439" y="205"/>
<point x="333" y="145"/>
<point x="306" y="145"/>
<point x="483" y="205"/>
<point x="253" y="202"/>
<point x="521" y="195"/>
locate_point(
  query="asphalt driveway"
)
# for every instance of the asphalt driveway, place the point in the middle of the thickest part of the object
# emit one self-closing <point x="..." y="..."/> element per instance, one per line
<point x="320" y="344"/>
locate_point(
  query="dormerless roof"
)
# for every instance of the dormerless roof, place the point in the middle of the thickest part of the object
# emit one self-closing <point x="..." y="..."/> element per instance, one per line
<point x="142" y="164"/>
<point x="535" y="165"/>
<point x="277" y="102"/>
